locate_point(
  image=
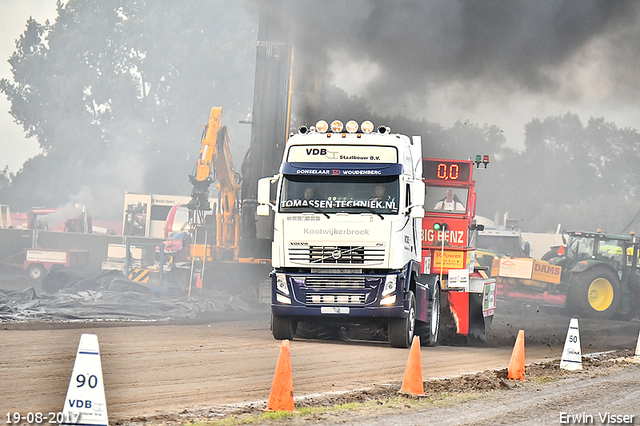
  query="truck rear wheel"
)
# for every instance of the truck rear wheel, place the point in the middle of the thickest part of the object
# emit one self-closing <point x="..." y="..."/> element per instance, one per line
<point x="448" y="329"/>
<point x="282" y="327"/>
<point x="401" y="330"/>
<point x="478" y="323"/>
<point x="595" y="292"/>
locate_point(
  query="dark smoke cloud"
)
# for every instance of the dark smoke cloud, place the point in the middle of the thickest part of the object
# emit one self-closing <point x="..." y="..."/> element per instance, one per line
<point x="500" y="45"/>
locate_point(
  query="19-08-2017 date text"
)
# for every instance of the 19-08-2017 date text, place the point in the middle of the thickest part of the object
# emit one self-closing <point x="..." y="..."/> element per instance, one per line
<point x="42" y="418"/>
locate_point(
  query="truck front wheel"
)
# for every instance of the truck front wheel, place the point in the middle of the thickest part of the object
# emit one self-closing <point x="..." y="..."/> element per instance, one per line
<point x="282" y="327"/>
<point x="595" y="292"/>
<point x="429" y="330"/>
<point x="434" y="320"/>
<point x="401" y="330"/>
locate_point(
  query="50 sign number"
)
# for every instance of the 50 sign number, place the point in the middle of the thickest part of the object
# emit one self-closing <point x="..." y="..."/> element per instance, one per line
<point x="91" y="381"/>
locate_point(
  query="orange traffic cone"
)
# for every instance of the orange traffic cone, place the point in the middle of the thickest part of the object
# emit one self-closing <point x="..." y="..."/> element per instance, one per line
<point x="198" y="281"/>
<point x="281" y="395"/>
<point x="516" y="363"/>
<point x="412" y="383"/>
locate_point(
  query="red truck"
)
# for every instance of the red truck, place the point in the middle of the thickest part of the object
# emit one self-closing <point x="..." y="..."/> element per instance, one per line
<point x="466" y="294"/>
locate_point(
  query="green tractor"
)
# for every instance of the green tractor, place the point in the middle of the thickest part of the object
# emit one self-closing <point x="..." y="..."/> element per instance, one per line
<point x="600" y="273"/>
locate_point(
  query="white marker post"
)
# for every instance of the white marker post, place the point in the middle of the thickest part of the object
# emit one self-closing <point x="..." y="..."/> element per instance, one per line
<point x="572" y="354"/>
<point x="636" y="357"/>
<point x="85" y="403"/>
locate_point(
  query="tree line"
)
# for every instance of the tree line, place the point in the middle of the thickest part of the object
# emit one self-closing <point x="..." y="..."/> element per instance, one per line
<point x="116" y="92"/>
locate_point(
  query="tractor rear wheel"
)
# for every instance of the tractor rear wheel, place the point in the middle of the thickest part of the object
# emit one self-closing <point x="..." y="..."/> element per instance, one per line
<point x="595" y="293"/>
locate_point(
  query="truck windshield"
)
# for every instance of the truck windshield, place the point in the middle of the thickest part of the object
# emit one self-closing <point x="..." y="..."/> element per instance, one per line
<point x="339" y="194"/>
<point x="440" y="198"/>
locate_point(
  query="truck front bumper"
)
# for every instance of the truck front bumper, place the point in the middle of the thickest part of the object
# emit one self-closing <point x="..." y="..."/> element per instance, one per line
<point x="339" y="295"/>
<point x="337" y="311"/>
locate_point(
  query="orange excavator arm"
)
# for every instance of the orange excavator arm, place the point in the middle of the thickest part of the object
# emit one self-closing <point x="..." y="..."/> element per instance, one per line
<point x="215" y="163"/>
<point x="208" y="152"/>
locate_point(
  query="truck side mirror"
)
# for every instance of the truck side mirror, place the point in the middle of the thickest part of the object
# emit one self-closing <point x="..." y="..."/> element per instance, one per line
<point x="263" y="210"/>
<point x="417" y="193"/>
<point x="264" y="191"/>
<point x="416" y="208"/>
<point x="417" y="212"/>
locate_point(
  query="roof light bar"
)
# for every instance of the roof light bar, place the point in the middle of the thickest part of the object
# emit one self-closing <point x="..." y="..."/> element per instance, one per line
<point x="322" y="126"/>
<point x="367" y="126"/>
<point x="352" y="126"/>
<point x="337" y="126"/>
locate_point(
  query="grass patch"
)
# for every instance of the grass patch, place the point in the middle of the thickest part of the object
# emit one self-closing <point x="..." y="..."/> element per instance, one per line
<point x="379" y="406"/>
<point x="543" y="379"/>
<point x="302" y="412"/>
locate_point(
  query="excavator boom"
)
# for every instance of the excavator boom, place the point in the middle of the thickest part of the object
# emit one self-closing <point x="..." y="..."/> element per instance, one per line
<point x="215" y="163"/>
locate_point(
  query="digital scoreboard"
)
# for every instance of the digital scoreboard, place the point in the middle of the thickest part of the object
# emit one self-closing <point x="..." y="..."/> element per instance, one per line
<point x="446" y="170"/>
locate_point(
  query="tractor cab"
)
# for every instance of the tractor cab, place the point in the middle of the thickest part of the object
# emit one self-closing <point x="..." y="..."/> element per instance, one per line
<point x="588" y="248"/>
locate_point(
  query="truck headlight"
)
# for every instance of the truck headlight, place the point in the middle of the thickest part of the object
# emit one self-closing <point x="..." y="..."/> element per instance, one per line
<point x="389" y="285"/>
<point x="281" y="284"/>
<point x="389" y="300"/>
<point x="283" y="299"/>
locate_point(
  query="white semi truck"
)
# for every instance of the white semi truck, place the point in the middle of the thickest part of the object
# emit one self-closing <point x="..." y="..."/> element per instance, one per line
<point x="348" y="206"/>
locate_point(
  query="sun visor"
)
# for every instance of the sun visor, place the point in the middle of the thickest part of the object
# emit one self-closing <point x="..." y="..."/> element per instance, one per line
<point x="341" y="169"/>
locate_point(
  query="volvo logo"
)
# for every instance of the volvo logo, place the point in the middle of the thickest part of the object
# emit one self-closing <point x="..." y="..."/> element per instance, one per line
<point x="336" y="254"/>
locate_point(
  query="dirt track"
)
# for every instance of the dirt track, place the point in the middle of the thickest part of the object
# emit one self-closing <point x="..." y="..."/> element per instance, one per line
<point x="153" y="372"/>
<point x="165" y="368"/>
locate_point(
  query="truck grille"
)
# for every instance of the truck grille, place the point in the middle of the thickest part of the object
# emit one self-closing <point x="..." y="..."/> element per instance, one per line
<point x="335" y="299"/>
<point x="349" y="255"/>
<point x="337" y="282"/>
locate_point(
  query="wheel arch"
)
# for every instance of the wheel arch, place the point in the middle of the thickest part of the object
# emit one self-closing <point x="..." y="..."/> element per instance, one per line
<point x="427" y="285"/>
<point x="591" y="264"/>
<point x="412" y="274"/>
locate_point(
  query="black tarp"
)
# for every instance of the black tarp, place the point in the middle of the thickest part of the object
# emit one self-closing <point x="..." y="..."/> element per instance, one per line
<point x="111" y="296"/>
